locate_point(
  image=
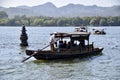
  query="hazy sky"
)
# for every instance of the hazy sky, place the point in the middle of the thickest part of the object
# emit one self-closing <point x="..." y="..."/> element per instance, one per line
<point x="58" y="3"/>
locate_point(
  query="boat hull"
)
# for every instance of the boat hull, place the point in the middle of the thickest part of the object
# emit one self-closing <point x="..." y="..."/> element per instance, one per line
<point x="48" y="55"/>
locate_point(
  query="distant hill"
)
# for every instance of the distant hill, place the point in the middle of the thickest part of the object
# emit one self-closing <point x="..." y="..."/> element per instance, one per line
<point x="70" y="10"/>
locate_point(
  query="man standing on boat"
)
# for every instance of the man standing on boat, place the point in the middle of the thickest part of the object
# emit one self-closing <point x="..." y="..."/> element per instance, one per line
<point x="53" y="40"/>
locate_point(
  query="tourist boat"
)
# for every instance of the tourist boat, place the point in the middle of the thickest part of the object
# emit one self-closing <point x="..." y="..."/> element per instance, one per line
<point x="77" y="48"/>
<point x="81" y="29"/>
<point x="99" y="32"/>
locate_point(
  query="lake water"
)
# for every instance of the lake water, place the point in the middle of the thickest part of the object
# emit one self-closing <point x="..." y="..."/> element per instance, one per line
<point x="103" y="67"/>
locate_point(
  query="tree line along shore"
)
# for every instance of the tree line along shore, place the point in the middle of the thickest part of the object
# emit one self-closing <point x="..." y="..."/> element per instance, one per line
<point x="58" y="21"/>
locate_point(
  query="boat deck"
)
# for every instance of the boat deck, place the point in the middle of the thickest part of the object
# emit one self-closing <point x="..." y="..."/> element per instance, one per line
<point x="72" y="50"/>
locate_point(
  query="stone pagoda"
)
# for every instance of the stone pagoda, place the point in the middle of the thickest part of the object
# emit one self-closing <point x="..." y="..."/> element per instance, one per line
<point x="23" y="37"/>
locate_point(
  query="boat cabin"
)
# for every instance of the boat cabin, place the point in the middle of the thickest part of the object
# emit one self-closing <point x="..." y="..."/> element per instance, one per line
<point x="73" y="41"/>
<point x="99" y="32"/>
<point x="81" y="29"/>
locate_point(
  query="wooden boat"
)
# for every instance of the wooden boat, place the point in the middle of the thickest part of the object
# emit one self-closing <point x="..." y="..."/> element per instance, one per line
<point x="81" y="29"/>
<point x="77" y="48"/>
<point x="99" y="32"/>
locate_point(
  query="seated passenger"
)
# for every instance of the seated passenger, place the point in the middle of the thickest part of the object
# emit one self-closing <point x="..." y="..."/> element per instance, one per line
<point x="60" y="44"/>
<point x="68" y="45"/>
<point x="64" y="44"/>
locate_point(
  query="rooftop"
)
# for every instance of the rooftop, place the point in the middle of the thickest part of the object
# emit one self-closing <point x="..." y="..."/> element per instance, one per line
<point x="84" y="35"/>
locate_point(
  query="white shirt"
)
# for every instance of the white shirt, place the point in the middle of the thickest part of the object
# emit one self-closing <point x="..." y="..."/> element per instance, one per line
<point x="53" y="39"/>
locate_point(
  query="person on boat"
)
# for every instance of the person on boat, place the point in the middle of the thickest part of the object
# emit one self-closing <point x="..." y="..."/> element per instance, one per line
<point x="68" y="45"/>
<point x="53" y="40"/>
<point x="82" y="43"/>
<point x="60" y="46"/>
<point x="83" y="29"/>
<point x="102" y="31"/>
<point x="64" y="44"/>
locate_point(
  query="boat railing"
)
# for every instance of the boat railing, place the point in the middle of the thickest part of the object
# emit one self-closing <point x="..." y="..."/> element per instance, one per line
<point x="74" y="49"/>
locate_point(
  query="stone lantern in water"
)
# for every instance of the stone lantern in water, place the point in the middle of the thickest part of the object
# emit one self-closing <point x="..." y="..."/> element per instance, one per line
<point x="23" y="37"/>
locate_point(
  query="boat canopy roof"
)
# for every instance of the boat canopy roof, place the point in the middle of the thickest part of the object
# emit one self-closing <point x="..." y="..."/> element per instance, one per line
<point x="80" y="35"/>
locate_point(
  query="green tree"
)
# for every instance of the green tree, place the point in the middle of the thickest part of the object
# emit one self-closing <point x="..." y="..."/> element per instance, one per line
<point x="49" y="23"/>
<point x="3" y="14"/>
<point x="103" y="22"/>
<point x="11" y="22"/>
<point x="60" y="22"/>
<point x="4" y="22"/>
<point x="110" y="21"/>
<point x="94" y="21"/>
<point x="86" y="21"/>
<point x="77" y="21"/>
<point x="38" y="22"/>
<point x="118" y="21"/>
<point x="18" y="23"/>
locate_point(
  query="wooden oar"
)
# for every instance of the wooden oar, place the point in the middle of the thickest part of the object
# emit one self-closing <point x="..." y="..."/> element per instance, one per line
<point x="34" y="53"/>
